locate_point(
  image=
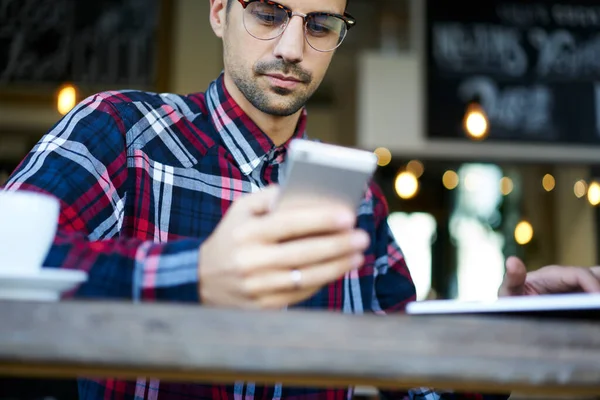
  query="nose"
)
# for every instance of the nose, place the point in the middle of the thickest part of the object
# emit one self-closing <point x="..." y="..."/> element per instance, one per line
<point x="290" y="46"/>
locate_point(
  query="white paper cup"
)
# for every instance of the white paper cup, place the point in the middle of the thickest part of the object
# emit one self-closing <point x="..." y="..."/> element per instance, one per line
<point x="28" y="223"/>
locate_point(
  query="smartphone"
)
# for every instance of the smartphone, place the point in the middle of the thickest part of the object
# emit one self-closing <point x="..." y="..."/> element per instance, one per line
<point x="317" y="172"/>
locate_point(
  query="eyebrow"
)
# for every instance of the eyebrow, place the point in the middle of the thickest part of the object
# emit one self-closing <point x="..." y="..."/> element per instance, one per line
<point x="315" y="11"/>
<point x="330" y="12"/>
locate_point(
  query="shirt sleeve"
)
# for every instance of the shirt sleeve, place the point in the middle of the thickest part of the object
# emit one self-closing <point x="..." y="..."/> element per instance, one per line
<point x="82" y="161"/>
<point x="394" y="288"/>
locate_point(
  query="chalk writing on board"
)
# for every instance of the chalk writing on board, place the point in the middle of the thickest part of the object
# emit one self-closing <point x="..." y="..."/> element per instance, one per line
<point x="101" y="42"/>
<point x="501" y="50"/>
<point x="528" y="63"/>
<point x="518" y="107"/>
<point x="495" y="49"/>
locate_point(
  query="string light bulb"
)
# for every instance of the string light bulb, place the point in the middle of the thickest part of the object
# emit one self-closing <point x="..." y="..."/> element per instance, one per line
<point x="450" y="180"/>
<point x="548" y="183"/>
<point x="384" y="156"/>
<point x="66" y="99"/>
<point x="416" y="167"/>
<point x="523" y="233"/>
<point x="406" y="185"/>
<point x="594" y="194"/>
<point x="580" y="188"/>
<point x="476" y="122"/>
<point x="506" y="186"/>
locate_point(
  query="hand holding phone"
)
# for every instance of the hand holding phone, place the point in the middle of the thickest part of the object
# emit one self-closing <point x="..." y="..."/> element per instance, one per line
<point x="265" y="257"/>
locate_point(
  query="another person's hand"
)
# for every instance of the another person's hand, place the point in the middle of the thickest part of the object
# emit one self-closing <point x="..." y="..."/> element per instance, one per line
<point x="263" y="258"/>
<point x="552" y="279"/>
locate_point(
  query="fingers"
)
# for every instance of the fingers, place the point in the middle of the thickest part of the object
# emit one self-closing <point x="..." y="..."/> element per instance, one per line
<point x="281" y="226"/>
<point x="554" y="279"/>
<point x="585" y="279"/>
<point x="257" y="203"/>
<point x="281" y="282"/>
<point x="279" y="300"/>
<point x="514" y="279"/>
<point x="301" y="252"/>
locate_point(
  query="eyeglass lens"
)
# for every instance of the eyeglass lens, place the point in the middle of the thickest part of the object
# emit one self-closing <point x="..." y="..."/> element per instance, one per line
<point x="267" y="21"/>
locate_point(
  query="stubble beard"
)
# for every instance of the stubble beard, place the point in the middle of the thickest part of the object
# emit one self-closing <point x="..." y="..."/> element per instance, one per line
<point x="275" y="101"/>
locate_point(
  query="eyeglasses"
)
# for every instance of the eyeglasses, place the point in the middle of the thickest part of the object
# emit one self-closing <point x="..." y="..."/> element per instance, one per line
<point x="267" y="20"/>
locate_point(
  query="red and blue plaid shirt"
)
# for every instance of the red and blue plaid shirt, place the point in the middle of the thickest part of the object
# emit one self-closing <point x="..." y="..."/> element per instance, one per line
<point x="144" y="178"/>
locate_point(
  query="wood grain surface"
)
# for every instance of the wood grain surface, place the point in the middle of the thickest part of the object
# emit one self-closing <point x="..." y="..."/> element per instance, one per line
<point x="190" y="343"/>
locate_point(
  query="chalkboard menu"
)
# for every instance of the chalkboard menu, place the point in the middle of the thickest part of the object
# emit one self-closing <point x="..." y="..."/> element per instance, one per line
<point x="99" y="43"/>
<point x="534" y="67"/>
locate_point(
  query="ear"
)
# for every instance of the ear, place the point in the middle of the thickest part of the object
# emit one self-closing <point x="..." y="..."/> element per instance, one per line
<point x="217" y="16"/>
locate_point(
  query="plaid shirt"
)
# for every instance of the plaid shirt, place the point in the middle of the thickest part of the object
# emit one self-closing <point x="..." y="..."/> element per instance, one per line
<point x="144" y="178"/>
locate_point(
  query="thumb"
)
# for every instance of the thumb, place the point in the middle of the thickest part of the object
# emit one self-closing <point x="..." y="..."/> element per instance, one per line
<point x="257" y="203"/>
<point x="513" y="283"/>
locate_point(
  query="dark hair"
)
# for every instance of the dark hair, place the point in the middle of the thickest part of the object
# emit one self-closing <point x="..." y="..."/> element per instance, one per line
<point x="230" y="4"/>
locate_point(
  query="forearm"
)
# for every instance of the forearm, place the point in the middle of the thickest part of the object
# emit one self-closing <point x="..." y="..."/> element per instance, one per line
<point x="130" y="268"/>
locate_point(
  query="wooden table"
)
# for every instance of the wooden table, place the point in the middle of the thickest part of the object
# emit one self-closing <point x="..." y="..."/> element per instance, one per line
<point x="190" y="343"/>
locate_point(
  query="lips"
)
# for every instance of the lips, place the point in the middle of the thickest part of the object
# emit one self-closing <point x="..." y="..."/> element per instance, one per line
<point x="284" y="82"/>
<point x="284" y="78"/>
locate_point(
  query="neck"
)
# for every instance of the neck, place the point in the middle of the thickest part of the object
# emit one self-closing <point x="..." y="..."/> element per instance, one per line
<point x="278" y="129"/>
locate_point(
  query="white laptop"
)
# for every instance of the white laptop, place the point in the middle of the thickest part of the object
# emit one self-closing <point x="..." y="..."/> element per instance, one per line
<point x="570" y="306"/>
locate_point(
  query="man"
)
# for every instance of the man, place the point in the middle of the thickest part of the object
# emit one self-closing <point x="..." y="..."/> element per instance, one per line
<point x="170" y="198"/>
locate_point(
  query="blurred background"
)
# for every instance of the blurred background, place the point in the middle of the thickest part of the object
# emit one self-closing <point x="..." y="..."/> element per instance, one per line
<point x="486" y="118"/>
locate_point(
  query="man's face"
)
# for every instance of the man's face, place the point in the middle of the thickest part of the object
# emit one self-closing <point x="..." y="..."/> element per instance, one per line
<point x="276" y="76"/>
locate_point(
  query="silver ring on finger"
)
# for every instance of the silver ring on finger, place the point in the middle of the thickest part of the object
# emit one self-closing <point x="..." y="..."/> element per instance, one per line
<point x="296" y="278"/>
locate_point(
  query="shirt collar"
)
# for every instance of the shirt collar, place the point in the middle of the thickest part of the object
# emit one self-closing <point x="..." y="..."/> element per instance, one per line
<point x="243" y="138"/>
